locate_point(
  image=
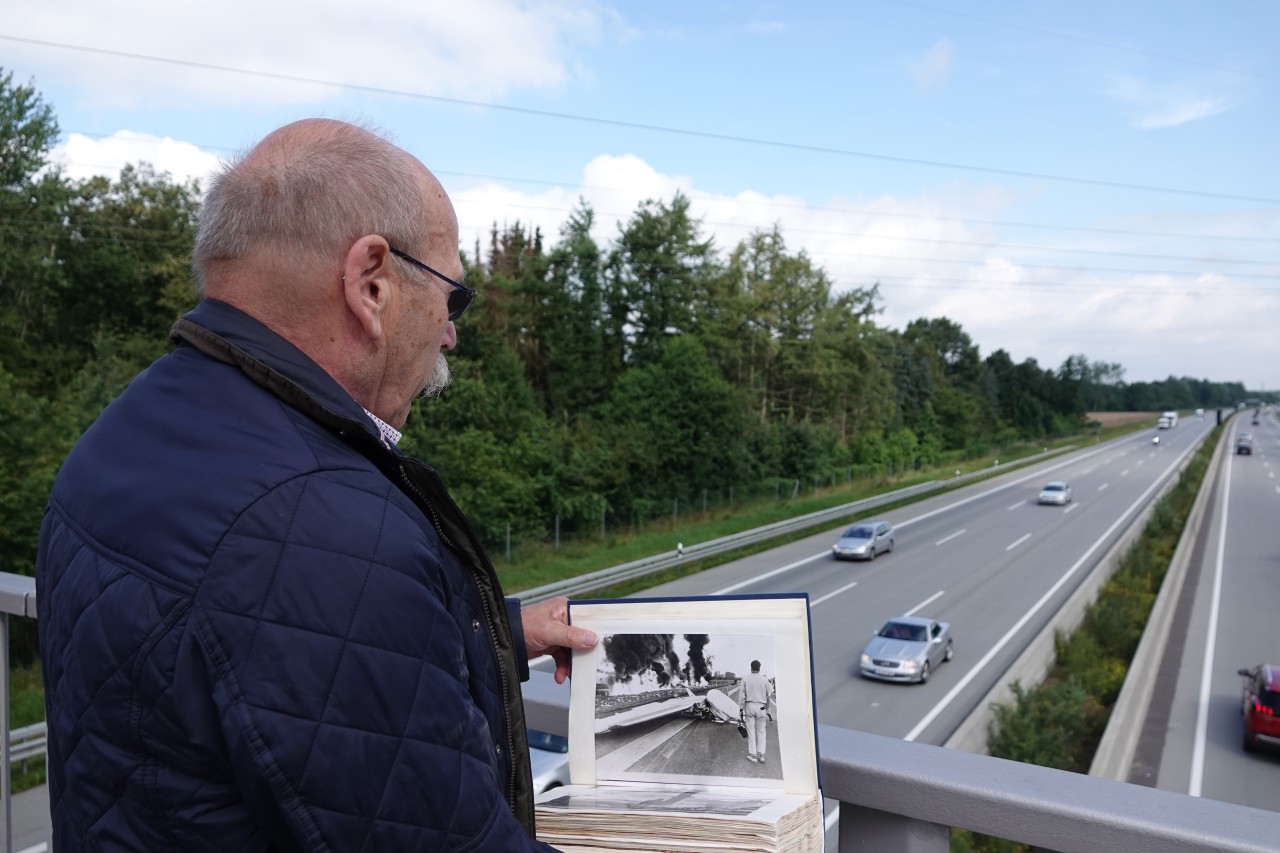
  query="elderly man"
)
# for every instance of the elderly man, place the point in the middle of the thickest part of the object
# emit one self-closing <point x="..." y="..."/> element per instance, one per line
<point x="264" y="627"/>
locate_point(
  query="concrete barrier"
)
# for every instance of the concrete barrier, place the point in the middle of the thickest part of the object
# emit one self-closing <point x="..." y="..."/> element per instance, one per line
<point x="1115" y="753"/>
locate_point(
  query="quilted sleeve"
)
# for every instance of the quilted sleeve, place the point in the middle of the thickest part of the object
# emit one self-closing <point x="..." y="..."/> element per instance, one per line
<point x="329" y="624"/>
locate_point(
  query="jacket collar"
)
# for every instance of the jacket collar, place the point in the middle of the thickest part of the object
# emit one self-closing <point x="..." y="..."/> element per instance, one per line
<point x="227" y="334"/>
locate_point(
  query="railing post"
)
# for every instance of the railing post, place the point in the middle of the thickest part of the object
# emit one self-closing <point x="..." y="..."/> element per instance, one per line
<point x="864" y="830"/>
<point x="5" y="770"/>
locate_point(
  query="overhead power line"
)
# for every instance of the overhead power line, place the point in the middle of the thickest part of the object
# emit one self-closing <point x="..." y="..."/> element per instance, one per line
<point x="700" y="134"/>
<point x="696" y="194"/>
<point x="980" y="244"/>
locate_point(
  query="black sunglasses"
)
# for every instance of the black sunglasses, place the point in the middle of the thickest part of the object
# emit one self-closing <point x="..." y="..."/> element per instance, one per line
<point x="460" y="298"/>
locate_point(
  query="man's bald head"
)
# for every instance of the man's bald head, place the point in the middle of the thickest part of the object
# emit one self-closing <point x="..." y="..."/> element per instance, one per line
<point x="301" y="196"/>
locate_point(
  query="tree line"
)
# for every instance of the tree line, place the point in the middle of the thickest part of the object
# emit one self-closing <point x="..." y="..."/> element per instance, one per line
<point x="592" y="381"/>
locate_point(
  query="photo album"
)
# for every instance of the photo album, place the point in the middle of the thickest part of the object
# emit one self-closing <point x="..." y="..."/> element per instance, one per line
<point x="691" y="730"/>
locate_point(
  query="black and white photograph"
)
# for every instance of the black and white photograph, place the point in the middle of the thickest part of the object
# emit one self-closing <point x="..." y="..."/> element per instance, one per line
<point x="686" y="705"/>
<point x="690" y="721"/>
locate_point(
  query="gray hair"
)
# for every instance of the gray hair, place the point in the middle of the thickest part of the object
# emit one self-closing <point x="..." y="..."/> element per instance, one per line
<point x="310" y="197"/>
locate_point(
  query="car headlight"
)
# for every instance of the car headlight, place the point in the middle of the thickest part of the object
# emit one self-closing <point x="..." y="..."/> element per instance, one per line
<point x="909" y="665"/>
<point x="866" y="659"/>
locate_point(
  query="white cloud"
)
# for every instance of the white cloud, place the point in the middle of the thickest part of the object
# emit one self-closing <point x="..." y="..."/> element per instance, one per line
<point x="764" y="28"/>
<point x="1153" y="107"/>
<point x="481" y="49"/>
<point x="932" y="69"/>
<point x="81" y="157"/>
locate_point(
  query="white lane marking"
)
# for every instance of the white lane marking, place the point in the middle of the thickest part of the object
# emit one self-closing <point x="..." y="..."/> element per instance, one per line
<point x="1271" y="475"/>
<point x="1018" y="504"/>
<point x="788" y="567"/>
<point x="833" y="817"/>
<point x="951" y="536"/>
<point x="1124" y="473"/>
<point x="1140" y="461"/>
<point x="1018" y="542"/>
<point x="1211" y="640"/>
<point x="36" y="848"/>
<point x="1103" y="487"/>
<point x="1278" y="490"/>
<point x="1069" y="508"/>
<point x="1040" y="603"/>
<point x="922" y="605"/>
<point x="844" y="588"/>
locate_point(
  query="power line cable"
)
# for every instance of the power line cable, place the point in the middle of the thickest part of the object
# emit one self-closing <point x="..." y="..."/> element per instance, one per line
<point x="700" y="134"/>
<point x="969" y="243"/>
<point x="697" y="194"/>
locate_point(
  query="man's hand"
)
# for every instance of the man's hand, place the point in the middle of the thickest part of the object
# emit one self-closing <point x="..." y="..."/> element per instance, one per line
<point x="547" y="632"/>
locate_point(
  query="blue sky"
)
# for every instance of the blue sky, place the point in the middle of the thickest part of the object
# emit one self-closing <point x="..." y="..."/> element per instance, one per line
<point x="1057" y="177"/>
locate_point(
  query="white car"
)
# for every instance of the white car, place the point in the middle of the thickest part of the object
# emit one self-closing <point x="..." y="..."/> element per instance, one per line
<point x="549" y="755"/>
<point x="1057" y="492"/>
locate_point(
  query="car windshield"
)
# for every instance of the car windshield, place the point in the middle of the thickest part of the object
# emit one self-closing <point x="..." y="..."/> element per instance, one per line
<point x="1053" y="487"/>
<point x="862" y="532"/>
<point x="548" y="741"/>
<point x="902" y="631"/>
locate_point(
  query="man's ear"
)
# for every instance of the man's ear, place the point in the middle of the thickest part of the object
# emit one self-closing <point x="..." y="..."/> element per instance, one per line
<point x="365" y="282"/>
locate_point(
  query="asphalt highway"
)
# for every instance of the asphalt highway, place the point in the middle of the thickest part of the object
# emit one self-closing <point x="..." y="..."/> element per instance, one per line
<point x="986" y="558"/>
<point x="1233" y="601"/>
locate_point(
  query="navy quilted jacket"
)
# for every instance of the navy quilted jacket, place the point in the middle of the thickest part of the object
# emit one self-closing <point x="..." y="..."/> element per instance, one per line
<point x="263" y="630"/>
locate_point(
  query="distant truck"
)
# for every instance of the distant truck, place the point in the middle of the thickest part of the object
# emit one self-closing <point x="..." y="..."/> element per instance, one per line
<point x="1168" y="420"/>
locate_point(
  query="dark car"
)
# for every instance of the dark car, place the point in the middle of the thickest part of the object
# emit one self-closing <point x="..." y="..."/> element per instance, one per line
<point x="906" y="649"/>
<point x="1244" y="444"/>
<point x="1261" y="707"/>
<point x="864" y="541"/>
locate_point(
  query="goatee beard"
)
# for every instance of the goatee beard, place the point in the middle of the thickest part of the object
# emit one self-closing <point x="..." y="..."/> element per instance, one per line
<point x="439" y="380"/>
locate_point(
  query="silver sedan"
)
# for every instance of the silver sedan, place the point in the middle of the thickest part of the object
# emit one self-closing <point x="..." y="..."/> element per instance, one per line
<point x="1056" y="492"/>
<point x="907" y="648"/>
<point x="864" y="541"/>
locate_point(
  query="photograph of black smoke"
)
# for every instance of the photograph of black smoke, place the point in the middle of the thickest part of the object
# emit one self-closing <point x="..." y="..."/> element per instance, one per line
<point x="671" y="706"/>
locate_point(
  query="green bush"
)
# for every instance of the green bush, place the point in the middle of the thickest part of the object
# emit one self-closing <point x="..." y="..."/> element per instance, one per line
<point x="1052" y="726"/>
<point x="1116" y="620"/>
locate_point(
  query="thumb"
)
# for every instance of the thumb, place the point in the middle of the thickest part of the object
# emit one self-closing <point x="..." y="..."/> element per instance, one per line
<point x="578" y="638"/>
